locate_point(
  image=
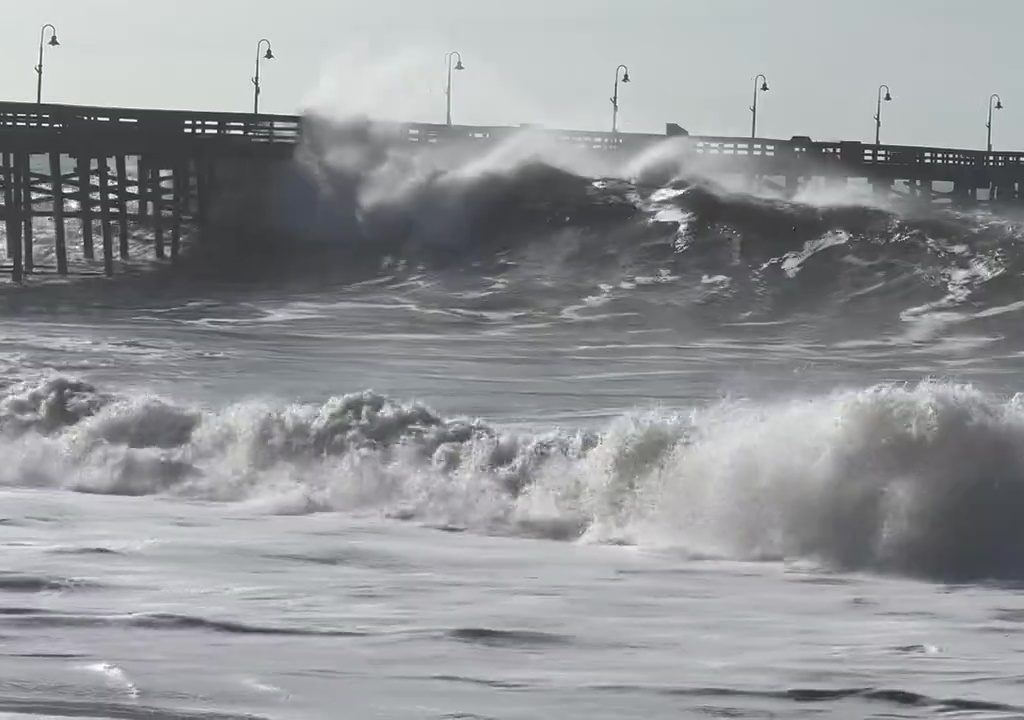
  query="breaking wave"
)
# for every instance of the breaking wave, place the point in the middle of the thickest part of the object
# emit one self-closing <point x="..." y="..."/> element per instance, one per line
<point x="924" y="480"/>
<point x="529" y="227"/>
<point x="664" y="220"/>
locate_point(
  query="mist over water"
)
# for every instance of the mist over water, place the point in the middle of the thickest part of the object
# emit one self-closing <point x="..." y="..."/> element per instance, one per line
<point x="482" y="418"/>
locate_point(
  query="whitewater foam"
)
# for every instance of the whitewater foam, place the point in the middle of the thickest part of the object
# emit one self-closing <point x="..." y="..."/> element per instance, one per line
<point x="925" y="480"/>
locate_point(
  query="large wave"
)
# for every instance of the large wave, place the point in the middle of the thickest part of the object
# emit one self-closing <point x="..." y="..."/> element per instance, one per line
<point x="925" y="480"/>
<point x="665" y="221"/>
<point x="558" y="227"/>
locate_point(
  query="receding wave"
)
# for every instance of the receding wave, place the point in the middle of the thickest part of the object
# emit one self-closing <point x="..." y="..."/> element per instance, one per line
<point x="494" y="637"/>
<point x="46" y="707"/>
<point x="12" y="582"/>
<point x="31" y="617"/>
<point x="923" y="479"/>
<point x="889" y="696"/>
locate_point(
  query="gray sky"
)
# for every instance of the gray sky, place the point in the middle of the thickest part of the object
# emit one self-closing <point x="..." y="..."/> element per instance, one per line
<point x="548" y="61"/>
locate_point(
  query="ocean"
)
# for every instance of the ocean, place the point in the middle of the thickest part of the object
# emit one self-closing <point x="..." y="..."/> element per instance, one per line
<point x="508" y="434"/>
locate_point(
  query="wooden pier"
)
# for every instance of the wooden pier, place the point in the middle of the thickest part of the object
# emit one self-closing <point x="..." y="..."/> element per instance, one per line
<point x="113" y="172"/>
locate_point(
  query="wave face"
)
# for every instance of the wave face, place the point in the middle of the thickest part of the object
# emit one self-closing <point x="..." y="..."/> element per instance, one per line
<point x="661" y="227"/>
<point x="925" y="480"/>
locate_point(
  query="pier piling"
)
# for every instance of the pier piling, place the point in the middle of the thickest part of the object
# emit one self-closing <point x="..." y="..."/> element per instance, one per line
<point x="122" y="205"/>
<point x="25" y="175"/>
<point x="85" y="204"/>
<point x="108" y="241"/>
<point x="157" y="185"/>
<point x="142" y="183"/>
<point x="13" y="199"/>
<point x="177" y="194"/>
<point x="57" y="191"/>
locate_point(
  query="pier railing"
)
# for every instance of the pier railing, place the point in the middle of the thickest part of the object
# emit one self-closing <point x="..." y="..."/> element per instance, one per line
<point x="61" y="125"/>
<point x="43" y="128"/>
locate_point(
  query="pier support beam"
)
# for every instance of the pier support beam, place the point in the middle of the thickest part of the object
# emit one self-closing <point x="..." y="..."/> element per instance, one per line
<point x="792" y="185"/>
<point x="203" y="170"/>
<point x="8" y="177"/>
<point x="881" y="187"/>
<point x="85" y="203"/>
<point x="25" y="167"/>
<point x="57" y="190"/>
<point x="108" y="240"/>
<point x="13" y="199"/>
<point x="964" y="192"/>
<point x="143" y="188"/>
<point x="178" y="199"/>
<point x="157" y="184"/>
<point x="122" y="206"/>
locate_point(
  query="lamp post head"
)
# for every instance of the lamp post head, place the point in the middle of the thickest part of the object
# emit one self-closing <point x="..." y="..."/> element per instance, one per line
<point x="459" y="65"/>
<point x="764" y="86"/>
<point x="999" y="104"/>
<point x="269" y="55"/>
<point x="625" y="77"/>
<point x="888" y="97"/>
<point x="53" y="40"/>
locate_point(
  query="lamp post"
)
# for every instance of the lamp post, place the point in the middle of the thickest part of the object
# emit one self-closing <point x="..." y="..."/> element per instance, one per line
<point x="878" y="112"/>
<point x="615" y="96"/>
<point x="453" y="55"/>
<point x="753" y="108"/>
<point x="269" y="55"/>
<point x="39" y="68"/>
<point x="988" y="125"/>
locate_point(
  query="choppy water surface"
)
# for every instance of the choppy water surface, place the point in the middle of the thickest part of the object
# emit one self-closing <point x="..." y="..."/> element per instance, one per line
<point x="521" y="439"/>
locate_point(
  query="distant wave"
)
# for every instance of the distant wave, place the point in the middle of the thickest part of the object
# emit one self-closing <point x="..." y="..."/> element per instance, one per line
<point x="925" y="480"/>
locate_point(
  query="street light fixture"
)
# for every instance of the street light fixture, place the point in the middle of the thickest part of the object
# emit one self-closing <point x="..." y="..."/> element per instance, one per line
<point x="615" y="96"/>
<point x="878" y="111"/>
<point x="453" y="55"/>
<point x="39" y="68"/>
<point x="753" y="108"/>
<point x="988" y="125"/>
<point x="269" y="55"/>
